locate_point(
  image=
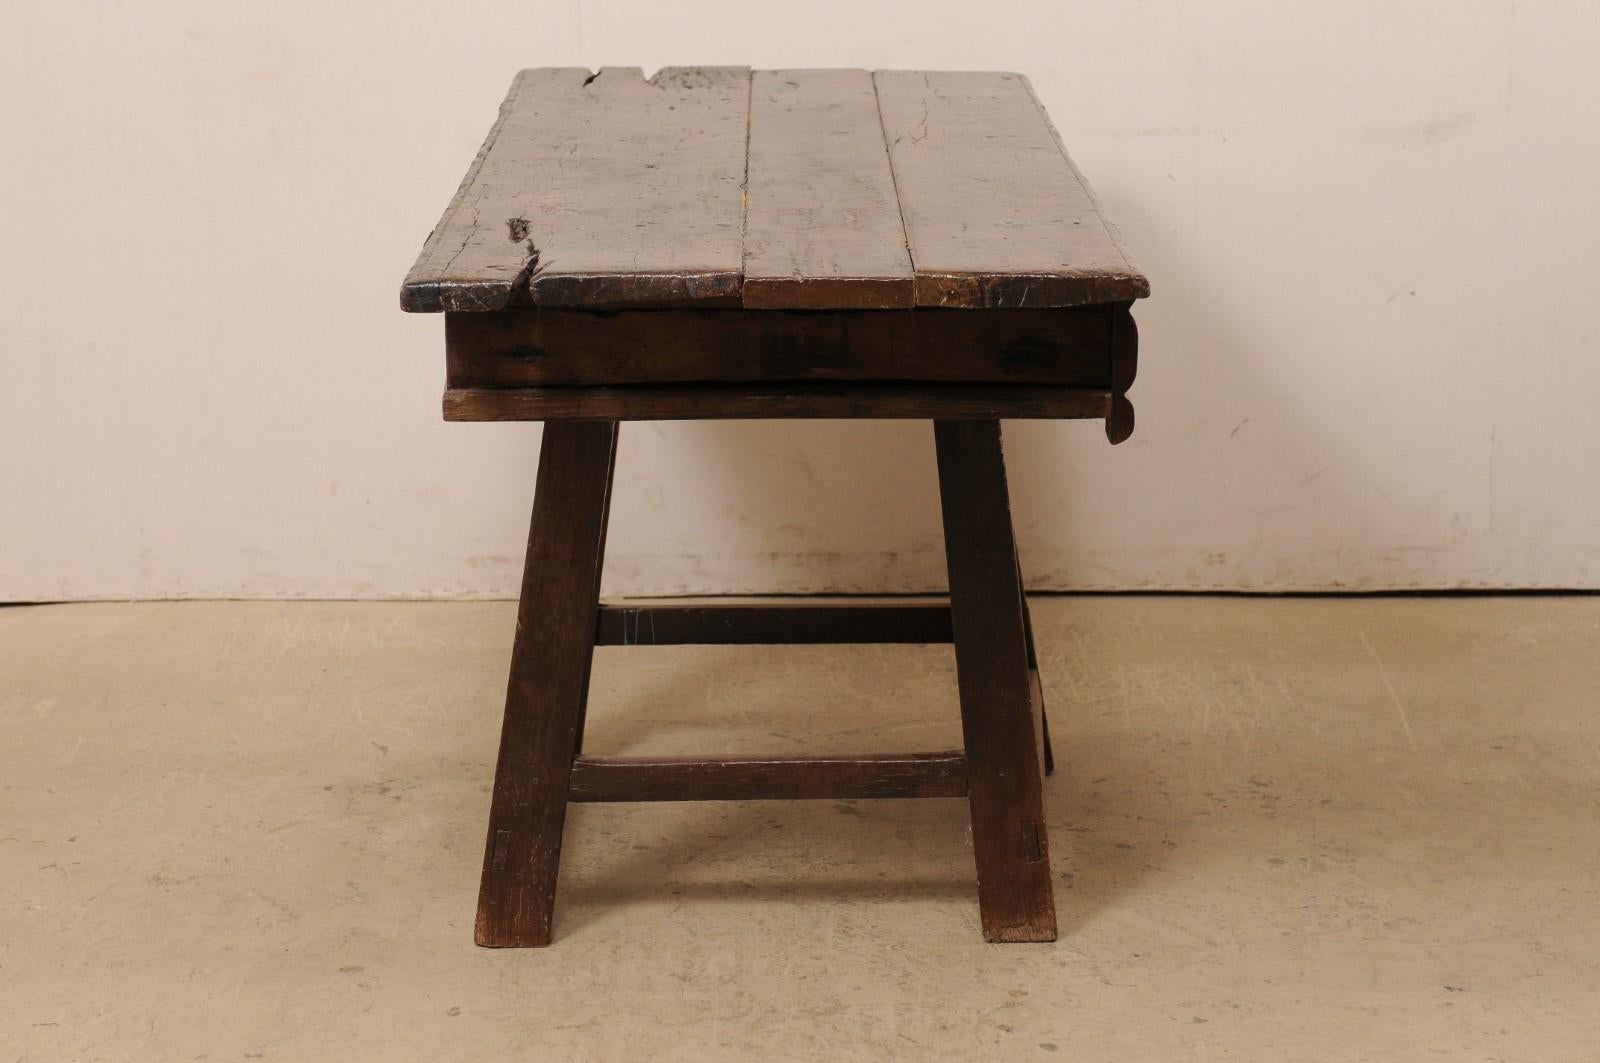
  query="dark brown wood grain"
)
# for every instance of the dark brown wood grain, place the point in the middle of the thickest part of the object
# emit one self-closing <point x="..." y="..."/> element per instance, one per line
<point x="995" y="213"/>
<point x="796" y="622"/>
<point x="876" y="775"/>
<point x="822" y="224"/>
<point x="557" y="346"/>
<point x="1007" y="803"/>
<point x="597" y="189"/>
<point x="550" y="661"/>
<point x="647" y="402"/>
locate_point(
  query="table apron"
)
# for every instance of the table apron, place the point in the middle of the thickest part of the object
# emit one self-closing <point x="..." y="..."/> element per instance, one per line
<point x="544" y="347"/>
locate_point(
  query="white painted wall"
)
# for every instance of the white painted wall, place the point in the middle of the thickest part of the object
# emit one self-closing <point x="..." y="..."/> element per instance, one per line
<point x="1370" y="361"/>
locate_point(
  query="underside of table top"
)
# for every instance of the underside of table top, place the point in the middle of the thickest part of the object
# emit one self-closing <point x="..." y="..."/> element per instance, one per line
<point x="788" y="189"/>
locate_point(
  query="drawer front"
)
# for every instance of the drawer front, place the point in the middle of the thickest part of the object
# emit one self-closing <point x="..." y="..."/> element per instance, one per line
<point x="538" y="347"/>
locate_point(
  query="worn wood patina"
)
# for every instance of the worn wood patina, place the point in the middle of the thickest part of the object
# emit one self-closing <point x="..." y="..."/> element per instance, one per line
<point x="898" y="188"/>
<point x="721" y="243"/>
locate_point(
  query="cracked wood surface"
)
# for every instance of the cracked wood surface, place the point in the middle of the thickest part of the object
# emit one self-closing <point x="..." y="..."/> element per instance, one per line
<point x="818" y="189"/>
<point x="596" y="190"/>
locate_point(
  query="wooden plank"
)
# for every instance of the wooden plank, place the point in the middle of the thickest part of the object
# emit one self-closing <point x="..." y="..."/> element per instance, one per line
<point x="561" y="346"/>
<point x="822" y="224"/>
<point x="769" y="778"/>
<point x="735" y="402"/>
<point x="790" y="623"/>
<point x="1007" y="803"/>
<point x="550" y="661"/>
<point x="602" y="189"/>
<point x="995" y="213"/>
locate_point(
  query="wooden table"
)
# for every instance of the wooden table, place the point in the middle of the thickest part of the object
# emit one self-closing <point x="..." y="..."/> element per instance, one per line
<point x="722" y="243"/>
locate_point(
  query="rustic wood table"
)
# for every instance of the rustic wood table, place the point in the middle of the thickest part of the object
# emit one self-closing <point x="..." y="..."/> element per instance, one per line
<point x="722" y="243"/>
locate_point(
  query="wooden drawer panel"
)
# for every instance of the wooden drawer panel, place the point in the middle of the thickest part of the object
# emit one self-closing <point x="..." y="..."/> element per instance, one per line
<point x="555" y="346"/>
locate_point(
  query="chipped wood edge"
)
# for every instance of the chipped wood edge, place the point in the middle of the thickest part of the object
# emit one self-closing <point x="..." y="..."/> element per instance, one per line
<point x="423" y="290"/>
<point x="428" y="289"/>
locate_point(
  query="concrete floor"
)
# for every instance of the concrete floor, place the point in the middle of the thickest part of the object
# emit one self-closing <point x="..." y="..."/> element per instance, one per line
<point x="1283" y="829"/>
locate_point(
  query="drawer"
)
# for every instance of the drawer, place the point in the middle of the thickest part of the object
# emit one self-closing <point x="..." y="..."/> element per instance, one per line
<point x="545" y="346"/>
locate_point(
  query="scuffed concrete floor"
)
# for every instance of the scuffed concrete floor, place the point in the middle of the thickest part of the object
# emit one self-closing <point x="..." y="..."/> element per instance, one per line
<point x="1282" y="830"/>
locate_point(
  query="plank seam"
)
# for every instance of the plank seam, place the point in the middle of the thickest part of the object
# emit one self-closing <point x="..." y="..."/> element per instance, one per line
<point x="744" y="188"/>
<point x="894" y="181"/>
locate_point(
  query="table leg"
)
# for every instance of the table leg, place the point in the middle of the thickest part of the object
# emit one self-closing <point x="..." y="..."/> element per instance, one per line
<point x="1006" y="799"/>
<point x="549" y="683"/>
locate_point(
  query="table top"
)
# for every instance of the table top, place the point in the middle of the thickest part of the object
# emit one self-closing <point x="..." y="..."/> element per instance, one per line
<point x="771" y="189"/>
